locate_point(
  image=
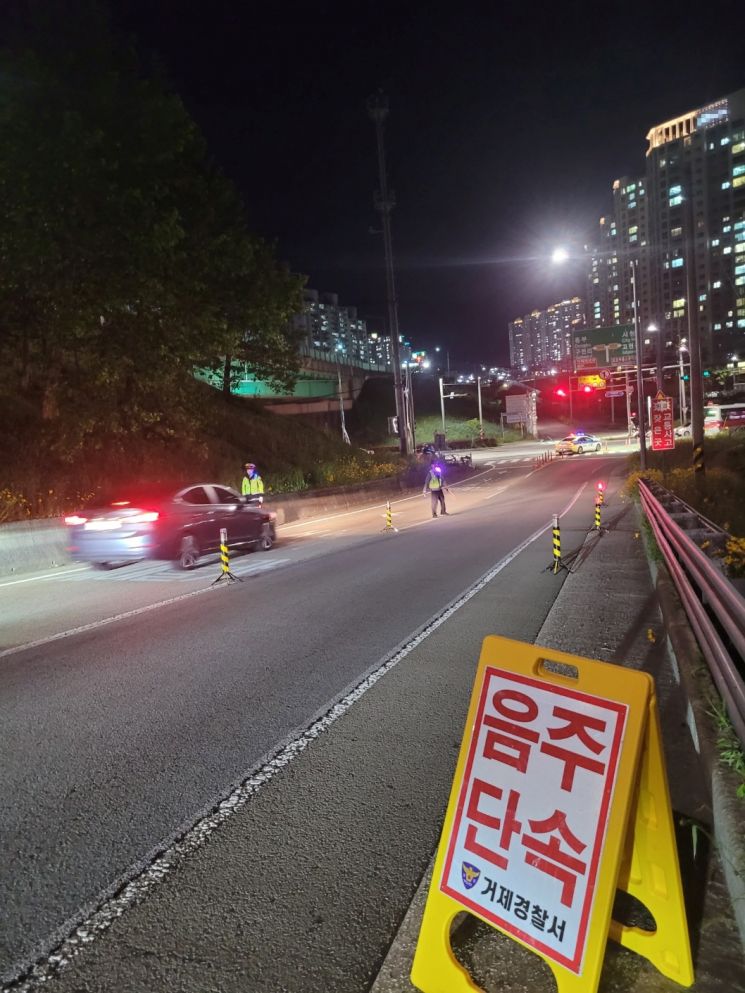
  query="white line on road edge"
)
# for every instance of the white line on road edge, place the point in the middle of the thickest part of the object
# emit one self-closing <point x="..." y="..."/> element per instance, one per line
<point x="48" y="575"/>
<point x="100" y="623"/>
<point x="145" y="876"/>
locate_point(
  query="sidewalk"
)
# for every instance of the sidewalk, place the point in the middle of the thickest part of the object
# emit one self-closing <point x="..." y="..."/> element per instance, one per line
<point x="608" y="609"/>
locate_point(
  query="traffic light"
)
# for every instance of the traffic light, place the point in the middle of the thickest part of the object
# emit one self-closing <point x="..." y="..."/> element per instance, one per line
<point x="706" y="374"/>
<point x="686" y="377"/>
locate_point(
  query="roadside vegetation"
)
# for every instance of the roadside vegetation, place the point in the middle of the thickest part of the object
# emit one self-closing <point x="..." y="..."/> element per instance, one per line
<point x="292" y="455"/>
<point x="719" y="494"/>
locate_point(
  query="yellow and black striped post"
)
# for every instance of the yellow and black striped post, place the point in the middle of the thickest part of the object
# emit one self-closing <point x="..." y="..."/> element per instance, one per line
<point x="598" y="505"/>
<point x="389" y="518"/>
<point x="225" y="560"/>
<point x="557" y="544"/>
<point x="698" y="460"/>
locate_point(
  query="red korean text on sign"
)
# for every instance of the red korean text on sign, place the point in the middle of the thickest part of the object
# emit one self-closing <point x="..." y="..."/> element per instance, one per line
<point x="532" y="810"/>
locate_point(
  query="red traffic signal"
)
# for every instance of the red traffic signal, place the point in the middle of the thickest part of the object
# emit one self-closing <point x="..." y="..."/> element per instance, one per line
<point x="587" y="389"/>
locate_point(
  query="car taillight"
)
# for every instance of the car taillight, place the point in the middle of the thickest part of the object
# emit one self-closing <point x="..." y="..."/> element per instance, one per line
<point x="75" y="519"/>
<point x="144" y="517"/>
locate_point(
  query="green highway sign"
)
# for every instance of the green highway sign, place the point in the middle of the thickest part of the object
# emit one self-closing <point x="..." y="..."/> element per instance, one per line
<point x="603" y="348"/>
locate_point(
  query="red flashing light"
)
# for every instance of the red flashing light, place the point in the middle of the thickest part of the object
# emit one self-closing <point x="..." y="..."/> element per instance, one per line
<point x="601" y="486"/>
<point x="587" y="389"/>
<point x="560" y="392"/>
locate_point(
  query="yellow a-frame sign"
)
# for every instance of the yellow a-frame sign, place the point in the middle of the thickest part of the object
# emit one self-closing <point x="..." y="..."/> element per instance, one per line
<point x="559" y="797"/>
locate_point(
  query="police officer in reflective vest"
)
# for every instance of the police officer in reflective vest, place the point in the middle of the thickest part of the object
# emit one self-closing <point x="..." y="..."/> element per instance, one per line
<point x="435" y="485"/>
<point x="252" y="485"/>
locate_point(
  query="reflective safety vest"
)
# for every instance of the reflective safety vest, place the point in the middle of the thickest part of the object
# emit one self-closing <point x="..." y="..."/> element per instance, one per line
<point x="435" y="482"/>
<point x="252" y="485"/>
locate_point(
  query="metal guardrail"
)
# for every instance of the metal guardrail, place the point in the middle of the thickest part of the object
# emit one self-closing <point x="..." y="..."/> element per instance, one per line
<point x="714" y="607"/>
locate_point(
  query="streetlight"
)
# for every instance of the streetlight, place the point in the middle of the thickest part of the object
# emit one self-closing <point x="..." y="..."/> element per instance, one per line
<point x="447" y="358"/>
<point x="560" y="255"/>
<point x="639" y="374"/>
<point x="652" y="329"/>
<point x="682" y="385"/>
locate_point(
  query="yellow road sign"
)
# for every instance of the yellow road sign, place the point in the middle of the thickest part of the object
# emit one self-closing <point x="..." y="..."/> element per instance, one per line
<point x="559" y="796"/>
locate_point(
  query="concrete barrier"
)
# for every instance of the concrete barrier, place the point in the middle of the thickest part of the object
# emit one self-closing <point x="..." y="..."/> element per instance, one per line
<point x="33" y="545"/>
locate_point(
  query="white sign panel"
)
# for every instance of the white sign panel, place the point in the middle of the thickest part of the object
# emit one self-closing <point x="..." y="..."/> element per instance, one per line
<point x="533" y="810"/>
<point x="516" y="404"/>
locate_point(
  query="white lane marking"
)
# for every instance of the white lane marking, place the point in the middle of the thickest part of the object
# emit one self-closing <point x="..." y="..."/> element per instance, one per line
<point x="133" y="887"/>
<point x="103" y="622"/>
<point x="48" y="575"/>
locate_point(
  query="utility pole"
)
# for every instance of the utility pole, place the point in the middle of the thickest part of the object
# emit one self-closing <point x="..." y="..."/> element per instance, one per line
<point x="385" y="201"/>
<point x="641" y="419"/>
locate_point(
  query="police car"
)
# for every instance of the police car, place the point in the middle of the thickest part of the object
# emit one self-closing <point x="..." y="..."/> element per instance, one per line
<point x="577" y="444"/>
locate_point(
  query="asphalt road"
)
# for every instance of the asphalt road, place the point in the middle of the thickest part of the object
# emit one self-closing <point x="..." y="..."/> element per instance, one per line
<point x="119" y="734"/>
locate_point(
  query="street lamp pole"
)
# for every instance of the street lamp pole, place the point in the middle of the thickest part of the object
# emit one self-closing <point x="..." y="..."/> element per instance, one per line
<point x="639" y="374"/>
<point x="442" y="405"/>
<point x="385" y="201"/>
<point x="681" y="381"/>
<point x="481" y="412"/>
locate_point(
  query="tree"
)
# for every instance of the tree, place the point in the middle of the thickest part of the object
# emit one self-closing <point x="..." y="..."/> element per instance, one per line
<point x="125" y="259"/>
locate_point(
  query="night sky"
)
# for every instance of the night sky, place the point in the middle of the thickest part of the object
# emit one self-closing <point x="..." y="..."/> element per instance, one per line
<point x="507" y="127"/>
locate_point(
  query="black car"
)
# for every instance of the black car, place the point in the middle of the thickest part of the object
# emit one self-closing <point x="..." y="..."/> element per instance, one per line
<point x="178" y="522"/>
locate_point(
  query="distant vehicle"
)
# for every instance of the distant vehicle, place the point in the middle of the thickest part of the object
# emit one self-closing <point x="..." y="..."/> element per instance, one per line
<point x="578" y="444"/>
<point x="727" y="417"/>
<point x="168" y="522"/>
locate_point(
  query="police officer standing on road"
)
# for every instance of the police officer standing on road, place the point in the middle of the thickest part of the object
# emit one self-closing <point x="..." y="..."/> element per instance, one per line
<point x="435" y="485"/>
<point x="252" y="485"/>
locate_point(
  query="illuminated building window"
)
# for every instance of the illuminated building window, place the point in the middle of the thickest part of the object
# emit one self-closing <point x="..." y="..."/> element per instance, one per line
<point x="702" y="296"/>
<point x="740" y="181"/>
<point x="727" y="250"/>
<point x="726" y="184"/>
<point x="717" y="327"/>
<point x="739" y="170"/>
<point x="739" y="147"/>
<point x="716" y="285"/>
<point x="675" y="189"/>
<point x="677" y="200"/>
<point x="676" y="232"/>
<point x="724" y="141"/>
<point x="677" y="263"/>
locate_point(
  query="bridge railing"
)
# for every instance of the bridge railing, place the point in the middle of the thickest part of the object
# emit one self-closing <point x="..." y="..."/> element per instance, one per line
<point x="715" y="608"/>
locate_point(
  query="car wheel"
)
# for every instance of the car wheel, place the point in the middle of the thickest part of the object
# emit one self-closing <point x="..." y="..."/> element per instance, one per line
<point x="101" y="566"/>
<point x="267" y="538"/>
<point x="597" y="447"/>
<point x="189" y="552"/>
<point x="580" y="450"/>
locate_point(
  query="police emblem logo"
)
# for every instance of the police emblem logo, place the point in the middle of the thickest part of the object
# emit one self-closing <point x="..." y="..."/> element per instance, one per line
<point x="469" y="874"/>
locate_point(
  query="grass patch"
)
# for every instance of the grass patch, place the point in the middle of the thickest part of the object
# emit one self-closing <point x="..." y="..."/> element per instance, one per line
<point x="719" y="494"/>
<point x="292" y="454"/>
